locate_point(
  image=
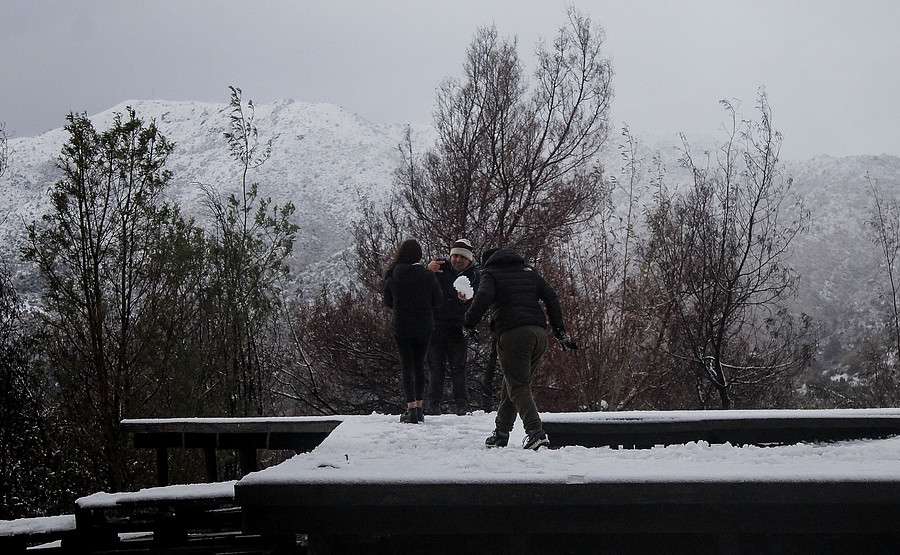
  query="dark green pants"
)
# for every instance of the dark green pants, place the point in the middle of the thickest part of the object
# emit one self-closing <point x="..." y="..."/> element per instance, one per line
<point x="520" y="351"/>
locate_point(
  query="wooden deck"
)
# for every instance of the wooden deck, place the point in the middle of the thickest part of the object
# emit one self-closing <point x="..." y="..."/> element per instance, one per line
<point x="643" y="430"/>
<point x="17" y="535"/>
<point x="245" y="435"/>
<point x="449" y="514"/>
<point x="703" y="517"/>
<point x="190" y="519"/>
<point x="713" y="514"/>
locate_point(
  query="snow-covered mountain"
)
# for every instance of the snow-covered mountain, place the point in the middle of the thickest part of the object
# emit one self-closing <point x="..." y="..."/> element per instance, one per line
<point x="323" y="158"/>
<point x="843" y="276"/>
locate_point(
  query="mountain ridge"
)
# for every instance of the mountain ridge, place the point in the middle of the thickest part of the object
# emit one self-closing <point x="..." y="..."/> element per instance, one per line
<point x="323" y="160"/>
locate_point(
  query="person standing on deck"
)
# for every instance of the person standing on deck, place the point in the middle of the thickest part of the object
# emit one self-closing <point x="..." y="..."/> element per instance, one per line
<point x="412" y="293"/>
<point x="514" y="292"/>
<point x="459" y="277"/>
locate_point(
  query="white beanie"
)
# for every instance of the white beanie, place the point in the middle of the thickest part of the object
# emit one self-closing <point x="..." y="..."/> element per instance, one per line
<point x="462" y="247"/>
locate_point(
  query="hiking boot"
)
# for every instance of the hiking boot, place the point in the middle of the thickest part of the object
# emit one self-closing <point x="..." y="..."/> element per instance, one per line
<point x="497" y="439"/>
<point x="535" y="439"/>
<point x="410" y="416"/>
<point x="420" y="414"/>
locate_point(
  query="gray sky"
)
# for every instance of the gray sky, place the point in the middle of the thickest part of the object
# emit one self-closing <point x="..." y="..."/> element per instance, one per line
<point x="831" y="69"/>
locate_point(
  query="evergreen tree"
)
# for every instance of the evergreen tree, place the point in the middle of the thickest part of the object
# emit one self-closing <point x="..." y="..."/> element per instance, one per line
<point x="104" y="251"/>
<point x="23" y="409"/>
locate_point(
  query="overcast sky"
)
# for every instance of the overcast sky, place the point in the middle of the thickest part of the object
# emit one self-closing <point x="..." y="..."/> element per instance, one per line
<point x="831" y="69"/>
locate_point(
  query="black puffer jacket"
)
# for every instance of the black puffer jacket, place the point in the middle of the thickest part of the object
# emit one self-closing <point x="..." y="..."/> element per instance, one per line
<point x="452" y="312"/>
<point x="514" y="291"/>
<point x="412" y="292"/>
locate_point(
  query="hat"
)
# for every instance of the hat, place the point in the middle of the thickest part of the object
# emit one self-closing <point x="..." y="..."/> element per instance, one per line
<point x="486" y="255"/>
<point x="463" y="247"/>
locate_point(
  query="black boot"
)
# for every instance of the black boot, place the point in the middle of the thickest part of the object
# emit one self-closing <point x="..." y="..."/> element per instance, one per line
<point x="410" y="416"/>
<point x="497" y="439"/>
<point x="420" y="414"/>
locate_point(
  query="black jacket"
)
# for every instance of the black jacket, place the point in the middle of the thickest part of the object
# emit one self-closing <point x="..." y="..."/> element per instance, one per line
<point x="514" y="291"/>
<point x="452" y="312"/>
<point x="412" y="292"/>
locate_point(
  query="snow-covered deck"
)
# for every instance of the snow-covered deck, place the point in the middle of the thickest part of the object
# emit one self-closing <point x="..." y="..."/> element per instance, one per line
<point x="738" y="427"/>
<point x="375" y="475"/>
<point x="16" y="535"/>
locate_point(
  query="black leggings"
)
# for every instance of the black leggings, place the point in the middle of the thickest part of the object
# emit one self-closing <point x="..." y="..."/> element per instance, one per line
<point x="412" y="352"/>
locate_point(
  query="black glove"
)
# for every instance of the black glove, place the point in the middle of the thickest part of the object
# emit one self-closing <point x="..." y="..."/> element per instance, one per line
<point x="471" y="334"/>
<point x="565" y="340"/>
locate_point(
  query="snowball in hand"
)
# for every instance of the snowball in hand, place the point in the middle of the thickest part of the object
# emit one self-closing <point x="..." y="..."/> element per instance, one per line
<point x="464" y="286"/>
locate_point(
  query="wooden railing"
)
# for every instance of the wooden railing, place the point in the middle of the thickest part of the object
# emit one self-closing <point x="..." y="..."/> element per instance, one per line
<point x="244" y="435"/>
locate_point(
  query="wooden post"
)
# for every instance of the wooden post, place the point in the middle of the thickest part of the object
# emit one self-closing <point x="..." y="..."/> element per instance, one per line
<point x="247" y="456"/>
<point x="162" y="466"/>
<point x="212" y="469"/>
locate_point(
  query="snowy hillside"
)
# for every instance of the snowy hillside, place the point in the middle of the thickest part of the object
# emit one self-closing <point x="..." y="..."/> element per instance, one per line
<point x="840" y="266"/>
<point x="323" y="158"/>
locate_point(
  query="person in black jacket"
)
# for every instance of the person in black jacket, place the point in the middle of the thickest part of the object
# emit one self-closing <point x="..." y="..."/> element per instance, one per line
<point x="514" y="291"/>
<point x="411" y="292"/>
<point x="447" y="349"/>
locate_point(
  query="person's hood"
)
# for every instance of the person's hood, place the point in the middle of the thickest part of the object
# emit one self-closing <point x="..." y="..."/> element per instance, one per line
<point x="504" y="257"/>
<point x="406" y="273"/>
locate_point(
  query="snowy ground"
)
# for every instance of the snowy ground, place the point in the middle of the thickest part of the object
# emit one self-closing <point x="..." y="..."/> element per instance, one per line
<point x="451" y="448"/>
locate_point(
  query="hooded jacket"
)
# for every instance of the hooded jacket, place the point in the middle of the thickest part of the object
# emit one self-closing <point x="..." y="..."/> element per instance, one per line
<point x="412" y="292"/>
<point x="514" y="291"/>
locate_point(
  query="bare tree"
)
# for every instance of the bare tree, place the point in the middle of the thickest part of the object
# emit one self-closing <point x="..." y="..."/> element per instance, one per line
<point x="601" y="288"/>
<point x="513" y="164"/>
<point x="717" y="253"/>
<point x="348" y="363"/>
<point x="884" y="222"/>
<point x="246" y="249"/>
<point x="4" y="149"/>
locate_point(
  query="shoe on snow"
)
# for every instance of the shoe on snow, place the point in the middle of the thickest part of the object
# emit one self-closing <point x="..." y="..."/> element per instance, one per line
<point x="409" y="417"/>
<point x="497" y="439"/>
<point x="535" y="439"/>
